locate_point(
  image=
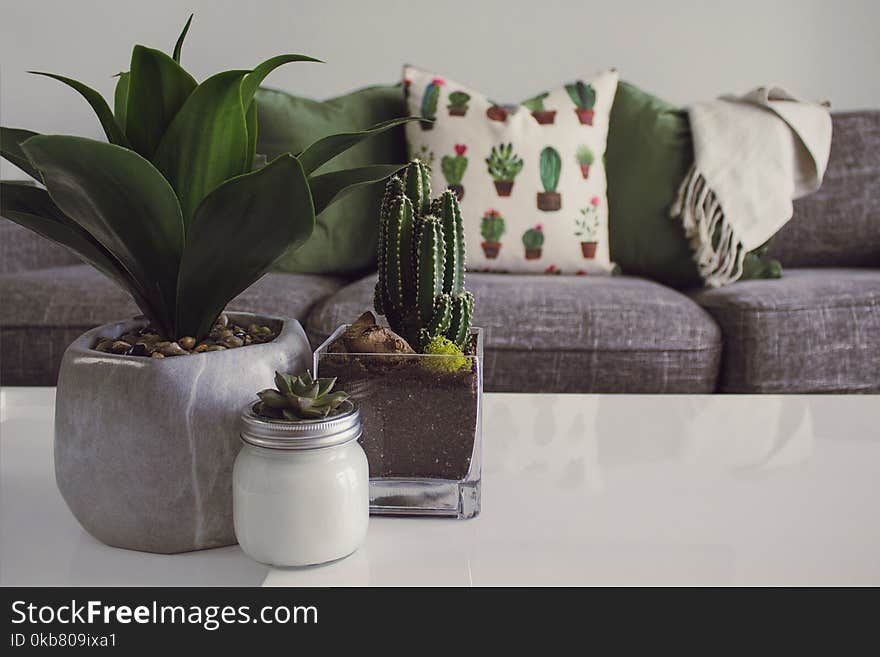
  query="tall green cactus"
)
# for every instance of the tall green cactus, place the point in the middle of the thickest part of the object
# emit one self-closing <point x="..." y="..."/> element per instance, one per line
<point x="429" y="102"/>
<point x="550" y="167"/>
<point x="421" y="261"/>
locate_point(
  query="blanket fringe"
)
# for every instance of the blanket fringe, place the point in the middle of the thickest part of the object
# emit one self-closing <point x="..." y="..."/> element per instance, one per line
<point x="719" y="261"/>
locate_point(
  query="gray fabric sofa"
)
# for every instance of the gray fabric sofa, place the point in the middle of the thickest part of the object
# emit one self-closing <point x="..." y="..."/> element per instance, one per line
<point x="817" y="329"/>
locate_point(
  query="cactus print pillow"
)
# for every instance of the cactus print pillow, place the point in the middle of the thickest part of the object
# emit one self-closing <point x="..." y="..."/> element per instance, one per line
<point x="530" y="177"/>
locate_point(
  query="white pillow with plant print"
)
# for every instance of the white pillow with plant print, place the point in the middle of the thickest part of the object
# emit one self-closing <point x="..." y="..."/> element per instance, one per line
<point x="530" y="177"/>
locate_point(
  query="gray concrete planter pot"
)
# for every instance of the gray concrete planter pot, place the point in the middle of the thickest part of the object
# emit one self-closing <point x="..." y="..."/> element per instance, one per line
<point x="144" y="447"/>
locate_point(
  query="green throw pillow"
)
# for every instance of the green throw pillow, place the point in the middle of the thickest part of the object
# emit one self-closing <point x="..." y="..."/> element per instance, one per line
<point x="649" y="153"/>
<point x="344" y="241"/>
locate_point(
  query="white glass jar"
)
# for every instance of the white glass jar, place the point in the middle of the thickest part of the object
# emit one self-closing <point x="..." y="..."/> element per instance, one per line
<point x="300" y="488"/>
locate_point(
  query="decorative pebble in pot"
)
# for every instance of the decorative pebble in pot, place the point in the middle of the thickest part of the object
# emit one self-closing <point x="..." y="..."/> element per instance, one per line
<point x="301" y="480"/>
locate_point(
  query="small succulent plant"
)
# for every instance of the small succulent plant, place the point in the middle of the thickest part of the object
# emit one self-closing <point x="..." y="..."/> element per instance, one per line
<point x="300" y="398"/>
<point x="492" y="226"/>
<point x="584" y="155"/>
<point x="503" y="164"/>
<point x="536" y="103"/>
<point x="533" y="238"/>
<point x="541" y="114"/>
<point x="582" y="95"/>
<point x="458" y="103"/>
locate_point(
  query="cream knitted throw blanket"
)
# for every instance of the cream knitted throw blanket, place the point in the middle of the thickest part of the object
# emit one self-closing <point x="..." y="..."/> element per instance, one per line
<point x="752" y="156"/>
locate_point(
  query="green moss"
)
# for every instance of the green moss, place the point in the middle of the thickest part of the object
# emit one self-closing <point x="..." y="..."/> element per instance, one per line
<point x="445" y="346"/>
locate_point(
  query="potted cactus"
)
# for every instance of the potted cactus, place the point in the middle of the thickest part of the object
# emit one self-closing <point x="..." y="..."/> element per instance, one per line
<point x="458" y="103"/>
<point x="178" y="211"/>
<point x="430" y="100"/>
<point x="418" y="381"/>
<point x="587" y="228"/>
<point x="584" y="98"/>
<point x="533" y="241"/>
<point x="497" y="112"/>
<point x="584" y="157"/>
<point x="491" y="229"/>
<point x="536" y="106"/>
<point x="503" y="165"/>
<point x="550" y="165"/>
<point x="453" y="168"/>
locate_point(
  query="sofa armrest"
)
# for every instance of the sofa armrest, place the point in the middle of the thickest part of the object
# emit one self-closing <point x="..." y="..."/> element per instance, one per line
<point x="22" y="250"/>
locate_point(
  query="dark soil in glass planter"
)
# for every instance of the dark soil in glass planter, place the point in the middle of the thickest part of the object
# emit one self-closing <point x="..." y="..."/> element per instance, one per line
<point x="419" y="420"/>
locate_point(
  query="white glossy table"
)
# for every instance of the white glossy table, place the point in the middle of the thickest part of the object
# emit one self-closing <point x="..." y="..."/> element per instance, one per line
<point x="577" y="489"/>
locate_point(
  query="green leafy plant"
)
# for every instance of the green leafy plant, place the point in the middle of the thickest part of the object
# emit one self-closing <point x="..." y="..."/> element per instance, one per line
<point x="587" y="224"/>
<point x="453" y="167"/>
<point x="550" y="166"/>
<point x="176" y="208"/>
<point x="421" y="262"/>
<point x="582" y="95"/>
<point x="492" y="226"/>
<point x="583" y="155"/>
<point x="540" y="113"/>
<point x="300" y="398"/>
<point x="536" y="103"/>
<point x="533" y="238"/>
<point x="503" y="164"/>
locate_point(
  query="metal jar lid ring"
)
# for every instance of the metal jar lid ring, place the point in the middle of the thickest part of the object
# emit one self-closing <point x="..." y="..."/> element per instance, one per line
<point x="301" y="434"/>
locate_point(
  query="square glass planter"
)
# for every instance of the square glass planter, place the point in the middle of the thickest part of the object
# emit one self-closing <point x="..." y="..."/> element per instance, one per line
<point x="422" y="422"/>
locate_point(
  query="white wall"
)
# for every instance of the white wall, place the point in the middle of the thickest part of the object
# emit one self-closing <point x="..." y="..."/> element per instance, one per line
<point x="680" y="49"/>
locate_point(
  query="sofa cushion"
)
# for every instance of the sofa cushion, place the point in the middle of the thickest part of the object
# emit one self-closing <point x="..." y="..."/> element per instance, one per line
<point x="814" y="330"/>
<point x="572" y="334"/>
<point x="650" y="152"/>
<point x="344" y="240"/>
<point x="527" y="203"/>
<point x="839" y="226"/>
<point x="44" y="310"/>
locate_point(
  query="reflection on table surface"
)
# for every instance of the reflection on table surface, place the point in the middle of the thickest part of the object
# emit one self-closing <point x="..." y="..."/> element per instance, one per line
<point x="577" y="489"/>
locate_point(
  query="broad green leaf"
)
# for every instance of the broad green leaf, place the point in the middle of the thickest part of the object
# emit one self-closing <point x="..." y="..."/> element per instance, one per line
<point x="207" y="142"/>
<point x="255" y="78"/>
<point x="105" y="116"/>
<point x="32" y="208"/>
<point x="237" y="233"/>
<point x="157" y="89"/>
<point x="179" y="45"/>
<point x="123" y="202"/>
<point x="252" y="129"/>
<point x="25" y="196"/>
<point x="249" y="87"/>
<point x="329" y="147"/>
<point x="120" y="98"/>
<point x="10" y="148"/>
<point x="327" y="188"/>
